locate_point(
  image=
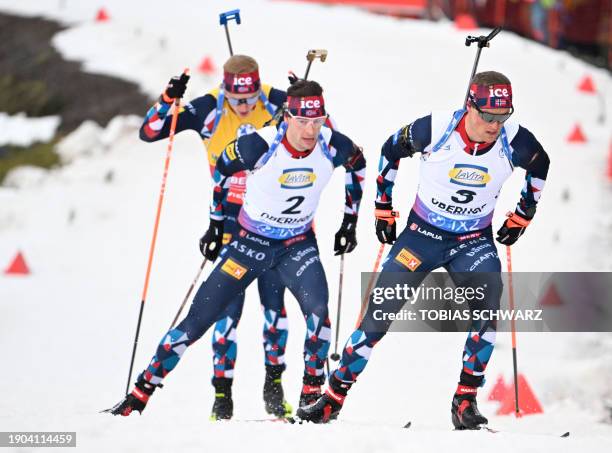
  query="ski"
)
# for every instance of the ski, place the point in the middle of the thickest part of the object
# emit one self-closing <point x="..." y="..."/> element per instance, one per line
<point x="289" y="420"/>
<point x="496" y="431"/>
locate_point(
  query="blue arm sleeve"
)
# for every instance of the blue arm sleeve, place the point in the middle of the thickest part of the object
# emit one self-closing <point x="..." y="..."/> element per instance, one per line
<point x="350" y="156"/>
<point x="277" y="97"/>
<point x="156" y="125"/>
<point x="529" y="154"/>
<point x="414" y="137"/>
<point x="240" y="155"/>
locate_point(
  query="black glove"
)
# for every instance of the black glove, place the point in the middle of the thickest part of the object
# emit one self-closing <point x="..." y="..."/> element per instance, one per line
<point x="512" y="229"/>
<point x="176" y="87"/>
<point x="211" y="242"/>
<point x="345" y="239"/>
<point x="385" y="223"/>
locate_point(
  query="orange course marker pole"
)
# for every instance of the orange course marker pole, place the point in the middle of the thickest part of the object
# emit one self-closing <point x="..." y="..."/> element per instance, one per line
<point x="160" y="202"/>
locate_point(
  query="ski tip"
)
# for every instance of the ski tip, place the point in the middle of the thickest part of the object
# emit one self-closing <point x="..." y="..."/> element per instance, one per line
<point x="567" y="434"/>
<point x="408" y="425"/>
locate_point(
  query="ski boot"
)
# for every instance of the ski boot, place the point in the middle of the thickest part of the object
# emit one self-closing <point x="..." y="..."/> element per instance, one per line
<point x="135" y="401"/>
<point x="328" y="406"/>
<point x="311" y="390"/>
<point x="464" y="410"/>
<point x="273" y="395"/>
<point x="223" y="407"/>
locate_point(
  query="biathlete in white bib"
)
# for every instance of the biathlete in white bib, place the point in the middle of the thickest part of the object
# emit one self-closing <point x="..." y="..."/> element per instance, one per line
<point x="289" y="165"/>
<point x="241" y="104"/>
<point x="466" y="156"/>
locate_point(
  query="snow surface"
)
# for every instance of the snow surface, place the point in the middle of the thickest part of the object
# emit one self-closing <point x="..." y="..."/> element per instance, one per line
<point x="20" y="130"/>
<point x="67" y="329"/>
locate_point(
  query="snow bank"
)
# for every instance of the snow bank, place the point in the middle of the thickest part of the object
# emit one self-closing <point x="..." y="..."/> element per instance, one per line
<point x="19" y="130"/>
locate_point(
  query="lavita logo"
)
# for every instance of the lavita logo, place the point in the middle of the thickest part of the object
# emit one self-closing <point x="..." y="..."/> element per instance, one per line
<point x="469" y="175"/>
<point x="297" y="178"/>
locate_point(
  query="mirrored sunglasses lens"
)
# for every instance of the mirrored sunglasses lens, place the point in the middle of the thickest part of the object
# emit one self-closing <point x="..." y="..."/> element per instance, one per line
<point x="491" y="117"/>
<point x="248" y="101"/>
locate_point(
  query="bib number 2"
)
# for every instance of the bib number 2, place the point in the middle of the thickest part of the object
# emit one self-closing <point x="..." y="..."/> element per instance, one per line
<point x="297" y="200"/>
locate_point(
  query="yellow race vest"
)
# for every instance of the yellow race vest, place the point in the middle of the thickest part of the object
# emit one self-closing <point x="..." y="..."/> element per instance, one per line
<point x="230" y="126"/>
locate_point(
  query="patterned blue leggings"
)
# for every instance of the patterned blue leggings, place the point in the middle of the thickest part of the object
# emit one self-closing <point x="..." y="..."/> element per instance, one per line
<point x="246" y="257"/>
<point x="471" y="261"/>
<point x="275" y="328"/>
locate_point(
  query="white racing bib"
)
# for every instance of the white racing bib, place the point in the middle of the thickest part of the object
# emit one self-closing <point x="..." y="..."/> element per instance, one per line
<point x="283" y="194"/>
<point x="458" y="191"/>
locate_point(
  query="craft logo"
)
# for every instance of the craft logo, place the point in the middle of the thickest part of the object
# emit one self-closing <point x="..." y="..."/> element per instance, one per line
<point x="469" y="175"/>
<point x="297" y="178"/>
<point x="407" y="259"/>
<point x="234" y="268"/>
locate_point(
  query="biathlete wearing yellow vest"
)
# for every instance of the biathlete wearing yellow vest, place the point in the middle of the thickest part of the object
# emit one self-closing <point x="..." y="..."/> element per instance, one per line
<point x="239" y="106"/>
<point x="290" y="165"/>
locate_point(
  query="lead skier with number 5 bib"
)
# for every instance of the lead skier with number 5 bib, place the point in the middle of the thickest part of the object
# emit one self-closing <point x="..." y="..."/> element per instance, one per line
<point x="466" y="157"/>
<point x="289" y="165"/>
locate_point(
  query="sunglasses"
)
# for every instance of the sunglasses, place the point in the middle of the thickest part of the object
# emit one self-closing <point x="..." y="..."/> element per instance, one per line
<point x="493" y="117"/>
<point x="248" y="101"/>
<point x="303" y="121"/>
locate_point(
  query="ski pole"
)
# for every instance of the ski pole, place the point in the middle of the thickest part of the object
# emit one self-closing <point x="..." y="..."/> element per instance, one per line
<point x="224" y="18"/>
<point x="195" y="280"/>
<point x="312" y="55"/>
<point x="483" y="41"/>
<point x="366" y="296"/>
<point x="160" y="202"/>
<point x="514" y="362"/>
<point x="335" y="356"/>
